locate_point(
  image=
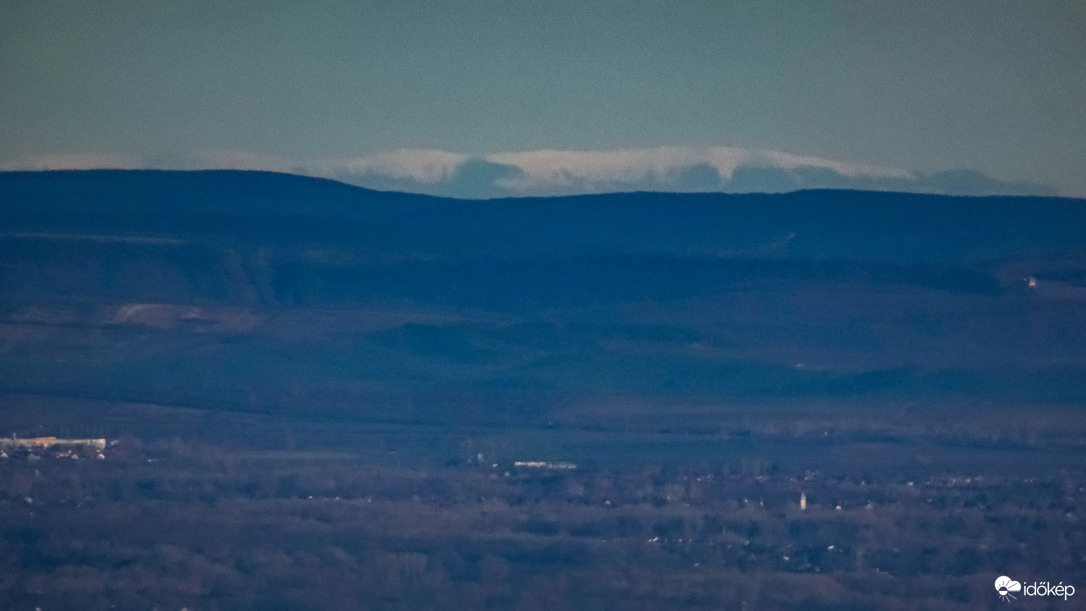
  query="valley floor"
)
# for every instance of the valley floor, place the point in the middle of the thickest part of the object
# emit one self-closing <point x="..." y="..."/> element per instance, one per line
<point x="255" y="513"/>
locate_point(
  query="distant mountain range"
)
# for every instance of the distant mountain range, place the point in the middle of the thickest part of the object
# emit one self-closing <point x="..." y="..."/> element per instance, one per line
<point x="549" y="173"/>
<point x="264" y="291"/>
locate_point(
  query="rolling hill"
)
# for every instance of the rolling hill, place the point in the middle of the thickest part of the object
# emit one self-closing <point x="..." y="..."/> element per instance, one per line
<point x="272" y="293"/>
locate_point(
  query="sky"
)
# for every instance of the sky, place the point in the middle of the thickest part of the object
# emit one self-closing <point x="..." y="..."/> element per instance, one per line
<point x="557" y="96"/>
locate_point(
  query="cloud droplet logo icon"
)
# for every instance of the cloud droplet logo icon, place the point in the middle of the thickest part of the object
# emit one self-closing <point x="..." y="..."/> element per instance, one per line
<point x="1005" y="586"/>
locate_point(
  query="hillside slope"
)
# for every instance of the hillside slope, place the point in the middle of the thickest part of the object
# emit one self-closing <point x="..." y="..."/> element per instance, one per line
<point x="275" y="293"/>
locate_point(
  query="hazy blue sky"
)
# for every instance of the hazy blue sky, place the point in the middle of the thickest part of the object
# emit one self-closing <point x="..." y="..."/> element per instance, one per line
<point x="997" y="87"/>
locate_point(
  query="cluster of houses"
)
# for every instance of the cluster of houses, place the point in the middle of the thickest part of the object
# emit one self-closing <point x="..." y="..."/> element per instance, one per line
<point x="37" y="447"/>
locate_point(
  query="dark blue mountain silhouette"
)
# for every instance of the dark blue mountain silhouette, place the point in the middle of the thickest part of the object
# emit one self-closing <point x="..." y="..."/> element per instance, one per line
<point x="251" y="290"/>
